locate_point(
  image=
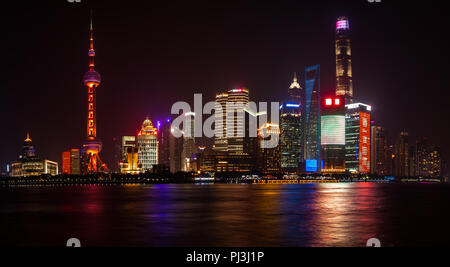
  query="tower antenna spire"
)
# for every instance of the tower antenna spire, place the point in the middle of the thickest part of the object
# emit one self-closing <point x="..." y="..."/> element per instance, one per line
<point x="91" y="43"/>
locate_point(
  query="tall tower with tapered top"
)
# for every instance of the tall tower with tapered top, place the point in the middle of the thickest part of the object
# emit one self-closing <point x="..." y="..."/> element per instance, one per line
<point x="92" y="146"/>
<point x="344" y="76"/>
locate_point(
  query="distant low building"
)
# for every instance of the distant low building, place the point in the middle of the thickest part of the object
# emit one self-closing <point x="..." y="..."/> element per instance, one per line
<point x="29" y="164"/>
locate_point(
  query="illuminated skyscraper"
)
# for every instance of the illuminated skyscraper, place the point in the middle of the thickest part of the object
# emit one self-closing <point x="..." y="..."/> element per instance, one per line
<point x="164" y="143"/>
<point x="131" y="165"/>
<point x="269" y="155"/>
<point x="28" y="151"/>
<point x="92" y="146"/>
<point x="311" y="119"/>
<point x="147" y="144"/>
<point x="401" y="155"/>
<point x="189" y="147"/>
<point x="332" y="132"/>
<point x="236" y="135"/>
<point x="379" y="150"/>
<point x="232" y="139"/>
<point x="175" y="150"/>
<point x="295" y="91"/>
<point x="427" y="160"/>
<point x="435" y="162"/>
<point x="291" y="137"/>
<point x="220" y="139"/>
<point x="344" y="80"/>
<point x="357" y="137"/>
<point x="291" y="148"/>
<point x="127" y="142"/>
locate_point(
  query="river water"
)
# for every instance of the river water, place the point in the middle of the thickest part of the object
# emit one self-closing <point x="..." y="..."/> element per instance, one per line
<point x="335" y="214"/>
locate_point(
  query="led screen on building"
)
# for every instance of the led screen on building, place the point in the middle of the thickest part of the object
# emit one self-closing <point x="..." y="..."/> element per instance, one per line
<point x="364" y="142"/>
<point x="311" y="165"/>
<point x="332" y="129"/>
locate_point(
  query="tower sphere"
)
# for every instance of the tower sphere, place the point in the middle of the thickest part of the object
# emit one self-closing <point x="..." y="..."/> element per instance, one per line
<point x="92" y="78"/>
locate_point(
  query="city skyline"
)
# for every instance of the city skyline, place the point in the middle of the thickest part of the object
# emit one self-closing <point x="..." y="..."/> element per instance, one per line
<point x="135" y="108"/>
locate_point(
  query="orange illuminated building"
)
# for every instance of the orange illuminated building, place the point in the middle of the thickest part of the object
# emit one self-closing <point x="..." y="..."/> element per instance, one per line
<point x="66" y="162"/>
<point x="71" y="162"/>
<point x="91" y="162"/>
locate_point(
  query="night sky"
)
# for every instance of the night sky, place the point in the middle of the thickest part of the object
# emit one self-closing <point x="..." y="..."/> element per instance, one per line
<point x="152" y="54"/>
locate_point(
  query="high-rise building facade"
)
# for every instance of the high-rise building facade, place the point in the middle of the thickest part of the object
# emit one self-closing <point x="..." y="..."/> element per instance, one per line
<point x="220" y="139"/>
<point x="332" y="132"/>
<point x="230" y="124"/>
<point x="401" y="155"/>
<point x="66" y="162"/>
<point x="190" y="149"/>
<point x="127" y="142"/>
<point x="295" y="91"/>
<point x="344" y="80"/>
<point x="269" y="158"/>
<point x="147" y="144"/>
<point x="379" y="151"/>
<point x="435" y="162"/>
<point x="236" y="118"/>
<point x="131" y="165"/>
<point x="71" y="162"/>
<point x="311" y="119"/>
<point x="291" y="134"/>
<point x="291" y="137"/>
<point x="427" y="160"/>
<point x="175" y="150"/>
<point x="164" y="143"/>
<point x="357" y="137"/>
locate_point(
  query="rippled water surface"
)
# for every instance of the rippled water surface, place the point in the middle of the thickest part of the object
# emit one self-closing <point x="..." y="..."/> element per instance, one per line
<point x="345" y="214"/>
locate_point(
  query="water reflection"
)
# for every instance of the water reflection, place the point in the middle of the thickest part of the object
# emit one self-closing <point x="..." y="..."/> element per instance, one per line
<point x="345" y="214"/>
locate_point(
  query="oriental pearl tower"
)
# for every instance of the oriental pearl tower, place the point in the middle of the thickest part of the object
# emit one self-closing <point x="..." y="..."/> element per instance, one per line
<point x="92" y="146"/>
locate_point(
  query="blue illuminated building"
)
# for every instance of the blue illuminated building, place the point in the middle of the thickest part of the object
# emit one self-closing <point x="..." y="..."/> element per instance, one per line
<point x="311" y="117"/>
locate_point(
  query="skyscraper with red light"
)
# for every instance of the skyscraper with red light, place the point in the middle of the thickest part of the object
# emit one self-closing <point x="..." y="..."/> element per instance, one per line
<point x="92" y="146"/>
<point x="344" y="79"/>
<point x="332" y="134"/>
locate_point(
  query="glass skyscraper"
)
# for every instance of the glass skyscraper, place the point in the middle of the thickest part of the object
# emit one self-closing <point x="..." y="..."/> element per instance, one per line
<point x="311" y="119"/>
<point x="291" y="137"/>
<point x="291" y="129"/>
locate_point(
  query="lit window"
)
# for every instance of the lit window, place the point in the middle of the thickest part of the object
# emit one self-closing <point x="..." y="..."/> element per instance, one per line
<point x="337" y="101"/>
<point x="328" y="102"/>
